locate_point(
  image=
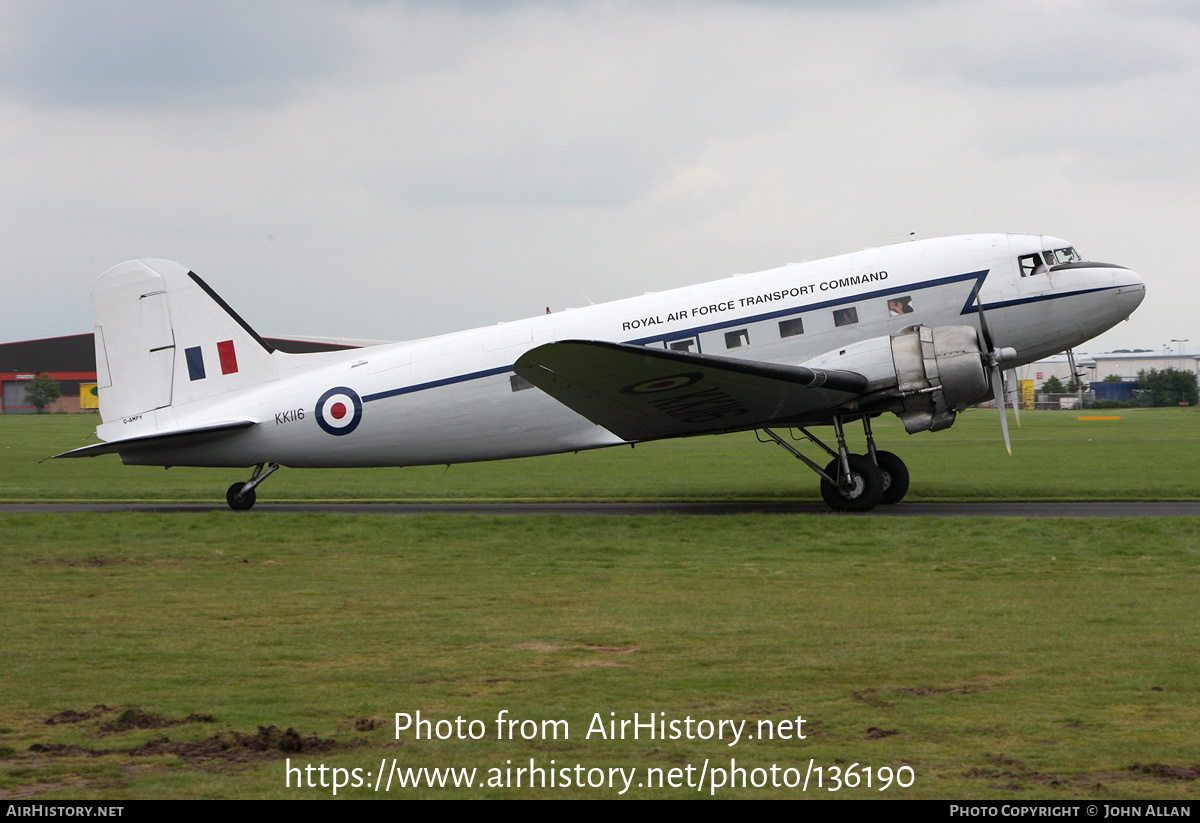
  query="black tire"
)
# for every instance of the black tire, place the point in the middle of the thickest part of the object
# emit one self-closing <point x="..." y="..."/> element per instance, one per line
<point x="895" y="477"/>
<point x="238" y="501"/>
<point x="864" y="490"/>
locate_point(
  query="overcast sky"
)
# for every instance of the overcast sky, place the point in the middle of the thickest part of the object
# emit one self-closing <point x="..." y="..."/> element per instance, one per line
<point x="393" y="170"/>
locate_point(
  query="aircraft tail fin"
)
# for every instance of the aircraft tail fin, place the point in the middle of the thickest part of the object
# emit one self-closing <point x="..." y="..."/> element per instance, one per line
<point x="164" y="338"/>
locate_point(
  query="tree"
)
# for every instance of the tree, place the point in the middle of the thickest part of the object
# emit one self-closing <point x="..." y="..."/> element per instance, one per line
<point x="42" y="391"/>
<point x="1113" y="378"/>
<point x="1053" y="386"/>
<point x="1169" y="387"/>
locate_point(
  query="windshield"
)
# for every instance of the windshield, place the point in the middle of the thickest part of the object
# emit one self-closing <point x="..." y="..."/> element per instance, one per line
<point x="1040" y="263"/>
<point x="1060" y="256"/>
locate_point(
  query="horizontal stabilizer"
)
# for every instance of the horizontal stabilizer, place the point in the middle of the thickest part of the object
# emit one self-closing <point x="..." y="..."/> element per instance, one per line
<point x="163" y="439"/>
<point x="642" y="393"/>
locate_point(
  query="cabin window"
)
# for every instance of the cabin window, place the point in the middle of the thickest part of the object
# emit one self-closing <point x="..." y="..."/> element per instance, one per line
<point x="519" y="383"/>
<point x="735" y="339"/>
<point x="682" y="345"/>
<point x="1031" y="264"/>
<point x="900" y="305"/>
<point x="845" y="317"/>
<point x="790" y="328"/>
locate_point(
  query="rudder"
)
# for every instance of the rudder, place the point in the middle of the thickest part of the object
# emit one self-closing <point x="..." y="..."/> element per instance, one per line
<point x="164" y="339"/>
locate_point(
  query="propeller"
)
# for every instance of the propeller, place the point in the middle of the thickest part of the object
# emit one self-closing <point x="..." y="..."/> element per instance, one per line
<point x="995" y="358"/>
<point x="1013" y="389"/>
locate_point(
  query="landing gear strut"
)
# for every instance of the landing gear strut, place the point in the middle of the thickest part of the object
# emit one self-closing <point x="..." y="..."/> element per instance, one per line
<point x="895" y="473"/>
<point x="854" y="482"/>
<point x="241" y="496"/>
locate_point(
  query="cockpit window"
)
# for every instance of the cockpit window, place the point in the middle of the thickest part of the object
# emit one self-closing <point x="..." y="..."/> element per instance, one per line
<point x="1031" y="264"/>
<point x="1042" y="262"/>
<point x="1060" y="256"/>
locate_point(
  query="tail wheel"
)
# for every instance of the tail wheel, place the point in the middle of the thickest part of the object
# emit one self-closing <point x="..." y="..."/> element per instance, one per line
<point x="238" y="500"/>
<point x="861" y="492"/>
<point x="895" y="477"/>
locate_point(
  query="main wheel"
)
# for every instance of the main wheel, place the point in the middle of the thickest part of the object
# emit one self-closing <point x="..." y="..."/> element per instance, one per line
<point x="895" y="477"/>
<point x="238" y="501"/>
<point x="863" y="491"/>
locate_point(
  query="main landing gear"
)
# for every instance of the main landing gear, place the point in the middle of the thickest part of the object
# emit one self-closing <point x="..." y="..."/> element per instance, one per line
<point x="854" y="482"/>
<point x="241" y="496"/>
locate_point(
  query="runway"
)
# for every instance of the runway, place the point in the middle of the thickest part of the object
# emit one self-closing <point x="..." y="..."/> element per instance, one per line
<point x="1090" y="509"/>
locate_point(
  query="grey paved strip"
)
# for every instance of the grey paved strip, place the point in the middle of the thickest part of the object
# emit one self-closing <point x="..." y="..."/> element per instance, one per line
<point x="1106" y="509"/>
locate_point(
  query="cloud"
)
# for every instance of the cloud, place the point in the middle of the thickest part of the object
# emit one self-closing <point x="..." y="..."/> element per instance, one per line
<point x="150" y="54"/>
<point x="387" y="169"/>
<point x="1031" y="44"/>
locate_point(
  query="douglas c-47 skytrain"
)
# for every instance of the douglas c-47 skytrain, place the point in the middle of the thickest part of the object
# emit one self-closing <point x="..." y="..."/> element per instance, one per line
<point x="919" y="329"/>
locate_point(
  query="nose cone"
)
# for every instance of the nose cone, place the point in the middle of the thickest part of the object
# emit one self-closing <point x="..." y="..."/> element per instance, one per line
<point x="1130" y="290"/>
<point x="1116" y="290"/>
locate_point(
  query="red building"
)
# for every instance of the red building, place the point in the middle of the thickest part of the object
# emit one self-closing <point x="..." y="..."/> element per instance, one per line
<point x="71" y="361"/>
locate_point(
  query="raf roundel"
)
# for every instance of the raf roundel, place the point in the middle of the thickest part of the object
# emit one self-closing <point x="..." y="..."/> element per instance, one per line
<point x="339" y="411"/>
<point x="658" y="384"/>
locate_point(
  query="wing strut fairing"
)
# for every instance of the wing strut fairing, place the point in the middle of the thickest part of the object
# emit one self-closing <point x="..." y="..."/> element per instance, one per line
<point x="640" y="393"/>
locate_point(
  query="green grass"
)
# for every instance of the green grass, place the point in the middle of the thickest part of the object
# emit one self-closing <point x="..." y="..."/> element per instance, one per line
<point x="1146" y="455"/>
<point x="1005" y="658"/>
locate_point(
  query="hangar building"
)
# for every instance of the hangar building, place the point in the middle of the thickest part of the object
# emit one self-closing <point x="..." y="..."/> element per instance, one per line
<point x="1096" y="367"/>
<point x="71" y="361"/>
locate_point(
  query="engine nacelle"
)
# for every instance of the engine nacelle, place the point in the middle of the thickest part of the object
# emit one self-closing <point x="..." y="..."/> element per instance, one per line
<point x="938" y="371"/>
<point x="925" y="375"/>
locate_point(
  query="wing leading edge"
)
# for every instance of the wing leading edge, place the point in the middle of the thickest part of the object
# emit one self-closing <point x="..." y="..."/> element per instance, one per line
<point x="639" y="393"/>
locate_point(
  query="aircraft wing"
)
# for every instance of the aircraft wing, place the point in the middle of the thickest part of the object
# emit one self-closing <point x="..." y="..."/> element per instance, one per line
<point x="158" y="440"/>
<point x="640" y="393"/>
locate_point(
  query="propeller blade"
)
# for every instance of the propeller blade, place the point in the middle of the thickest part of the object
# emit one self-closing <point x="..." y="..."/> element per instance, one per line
<point x="1016" y="396"/>
<point x="998" y="388"/>
<point x="995" y="357"/>
<point x="983" y="326"/>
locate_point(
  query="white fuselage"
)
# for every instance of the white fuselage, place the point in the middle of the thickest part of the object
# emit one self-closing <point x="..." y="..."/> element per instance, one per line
<point x="454" y="398"/>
